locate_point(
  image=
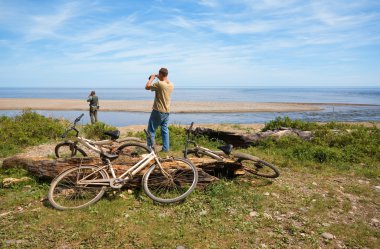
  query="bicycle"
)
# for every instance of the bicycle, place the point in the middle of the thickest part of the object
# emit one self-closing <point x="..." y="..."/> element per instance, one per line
<point x="166" y="181"/>
<point x="251" y="164"/>
<point x="68" y="149"/>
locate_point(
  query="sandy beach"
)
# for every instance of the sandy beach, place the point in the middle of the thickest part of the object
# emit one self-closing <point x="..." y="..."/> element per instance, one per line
<point x="177" y="106"/>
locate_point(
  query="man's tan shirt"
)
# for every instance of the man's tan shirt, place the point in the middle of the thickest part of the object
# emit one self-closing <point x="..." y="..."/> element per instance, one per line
<point x="163" y="90"/>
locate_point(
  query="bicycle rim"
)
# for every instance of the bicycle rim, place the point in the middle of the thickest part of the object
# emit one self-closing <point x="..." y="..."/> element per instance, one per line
<point x="65" y="192"/>
<point x="183" y="177"/>
<point x="68" y="150"/>
<point x="260" y="168"/>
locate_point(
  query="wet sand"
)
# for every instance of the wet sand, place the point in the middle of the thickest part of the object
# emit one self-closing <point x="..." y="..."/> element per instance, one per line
<point x="177" y="106"/>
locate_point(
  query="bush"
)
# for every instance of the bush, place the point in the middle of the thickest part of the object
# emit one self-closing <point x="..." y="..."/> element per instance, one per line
<point x="96" y="131"/>
<point x="332" y="143"/>
<point x="27" y="129"/>
<point x="287" y="122"/>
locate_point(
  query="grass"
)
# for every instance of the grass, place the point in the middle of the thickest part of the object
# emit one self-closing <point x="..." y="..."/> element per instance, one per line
<point x="318" y="191"/>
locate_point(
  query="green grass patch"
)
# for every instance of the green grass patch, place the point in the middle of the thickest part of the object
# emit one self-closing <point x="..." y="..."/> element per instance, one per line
<point x="27" y="129"/>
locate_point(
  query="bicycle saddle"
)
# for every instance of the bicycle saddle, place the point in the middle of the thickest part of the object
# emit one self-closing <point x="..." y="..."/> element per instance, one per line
<point x="226" y="148"/>
<point x="109" y="156"/>
<point x="113" y="134"/>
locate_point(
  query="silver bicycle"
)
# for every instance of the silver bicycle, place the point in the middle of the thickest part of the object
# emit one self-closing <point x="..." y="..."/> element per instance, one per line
<point x="165" y="181"/>
<point x="114" y="145"/>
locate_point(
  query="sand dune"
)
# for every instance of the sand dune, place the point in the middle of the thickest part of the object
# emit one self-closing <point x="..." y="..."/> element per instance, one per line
<point x="177" y="106"/>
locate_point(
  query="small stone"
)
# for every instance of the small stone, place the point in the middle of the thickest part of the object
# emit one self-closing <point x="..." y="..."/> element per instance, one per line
<point x="328" y="236"/>
<point x="15" y="241"/>
<point x="5" y="214"/>
<point x="315" y="184"/>
<point x="161" y="215"/>
<point x="268" y="216"/>
<point x="7" y="182"/>
<point x="126" y="216"/>
<point x="130" y="191"/>
<point x="180" y="247"/>
<point x="303" y="234"/>
<point x="253" y="214"/>
<point x="375" y="222"/>
<point x="20" y="209"/>
<point x="123" y="196"/>
<point x="203" y="212"/>
<point x="266" y="194"/>
<point x="313" y="200"/>
<point x="275" y="195"/>
<point x="377" y="188"/>
<point x="263" y="246"/>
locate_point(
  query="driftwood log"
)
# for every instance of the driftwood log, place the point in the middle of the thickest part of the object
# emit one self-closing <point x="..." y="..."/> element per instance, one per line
<point x="209" y="170"/>
<point x="246" y="140"/>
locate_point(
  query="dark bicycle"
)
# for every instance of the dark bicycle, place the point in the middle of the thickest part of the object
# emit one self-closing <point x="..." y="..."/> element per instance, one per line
<point x="251" y="164"/>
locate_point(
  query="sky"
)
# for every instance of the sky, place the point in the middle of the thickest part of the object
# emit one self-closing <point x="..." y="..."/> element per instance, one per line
<point x="206" y="43"/>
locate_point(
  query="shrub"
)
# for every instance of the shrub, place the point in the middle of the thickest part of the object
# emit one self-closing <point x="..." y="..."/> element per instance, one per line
<point x="287" y="122"/>
<point x="96" y="131"/>
<point x="27" y="129"/>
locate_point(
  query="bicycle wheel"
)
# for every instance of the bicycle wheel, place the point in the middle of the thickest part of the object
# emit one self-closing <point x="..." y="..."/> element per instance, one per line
<point x="133" y="150"/>
<point x="174" y="184"/>
<point x="68" y="150"/>
<point x="257" y="166"/>
<point x="65" y="192"/>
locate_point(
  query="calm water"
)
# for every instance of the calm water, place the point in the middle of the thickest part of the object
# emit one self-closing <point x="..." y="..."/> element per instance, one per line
<point x="310" y="95"/>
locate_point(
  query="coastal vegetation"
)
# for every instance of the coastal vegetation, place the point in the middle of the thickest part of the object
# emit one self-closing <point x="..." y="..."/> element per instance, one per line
<point x="328" y="185"/>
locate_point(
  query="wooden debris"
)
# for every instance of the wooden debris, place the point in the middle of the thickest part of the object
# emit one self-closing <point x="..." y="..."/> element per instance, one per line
<point x="246" y="140"/>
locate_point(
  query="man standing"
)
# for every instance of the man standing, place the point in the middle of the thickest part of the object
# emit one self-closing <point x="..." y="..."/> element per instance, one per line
<point x="163" y="89"/>
<point x="94" y="105"/>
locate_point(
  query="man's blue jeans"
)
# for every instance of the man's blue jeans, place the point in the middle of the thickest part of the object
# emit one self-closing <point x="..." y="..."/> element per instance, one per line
<point x="159" y="119"/>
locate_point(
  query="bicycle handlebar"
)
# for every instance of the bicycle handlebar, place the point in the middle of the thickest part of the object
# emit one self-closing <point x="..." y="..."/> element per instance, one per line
<point x="73" y="126"/>
<point x="78" y="118"/>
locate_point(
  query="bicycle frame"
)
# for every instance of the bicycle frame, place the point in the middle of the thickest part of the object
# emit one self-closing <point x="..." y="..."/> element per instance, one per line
<point x="117" y="182"/>
<point x="214" y="154"/>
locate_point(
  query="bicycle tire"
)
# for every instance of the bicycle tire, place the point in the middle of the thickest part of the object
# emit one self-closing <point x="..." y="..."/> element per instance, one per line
<point x="65" y="186"/>
<point x="254" y="164"/>
<point x="154" y="181"/>
<point x="60" y="148"/>
<point x="132" y="152"/>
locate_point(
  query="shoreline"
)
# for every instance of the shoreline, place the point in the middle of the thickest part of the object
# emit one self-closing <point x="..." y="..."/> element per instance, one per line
<point x="176" y="106"/>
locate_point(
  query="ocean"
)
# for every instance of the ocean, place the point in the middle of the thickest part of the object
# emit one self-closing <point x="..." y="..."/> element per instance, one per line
<point x="330" y="112"/>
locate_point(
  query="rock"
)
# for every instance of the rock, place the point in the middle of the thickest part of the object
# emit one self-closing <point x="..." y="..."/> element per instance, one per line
<point x="377" y="188"/>
<point x="5" y="214"/>
<point x="130" y="191"/>
<point x="375" y="222"/>
<point x="328" y="236"/>
<point x="268" y="216"/>
<point x="315" y="184"/>
<point x="203" y="212"/>
<point x="15" y="241"/>
<point x="20" y="209"/>
<point x="7" y="182"/>
<point x="180" y="247"/>
<point x="126" y="216"/>
<point x="266" y="193"/>
<point x="313" y="200"/>
<point x="253" y="214"/>
<point x="275" y="195"/>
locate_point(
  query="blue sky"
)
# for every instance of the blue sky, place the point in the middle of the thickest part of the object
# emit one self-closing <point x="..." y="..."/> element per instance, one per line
<point x="209" y="43"/>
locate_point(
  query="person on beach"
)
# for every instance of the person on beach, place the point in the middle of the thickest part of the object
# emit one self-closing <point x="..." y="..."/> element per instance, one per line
<point x="159" y="116"/>
<point x="94" y="106"/>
